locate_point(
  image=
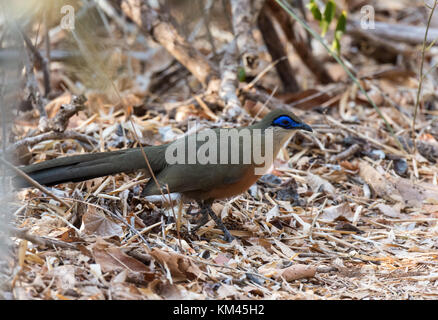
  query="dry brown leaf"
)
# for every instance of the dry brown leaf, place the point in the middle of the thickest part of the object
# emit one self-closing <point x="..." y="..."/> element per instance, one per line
<point x="297" y="271"/>
<point x="336" y="72"/>
<point x="319" y="184"/>
<point x="333" y="213"/>
<point x="221" y="259"/>
<point x="256" y="108"/>
<point x="112" y="258"/>
<point x="393" y="212"/>
<point x="53" y="106"/>
<point x="376" y="180"/>
<point x="95" y="222"/>
<point x="397" y="189"/>
<point x="185" y="112"/>
<point x="430" y="208"/>
<point x="426" y="137"/>
<point x="65" y="276"/>
<point x="226" y="291"/>
<point x="288" y="252"/>
<point x="253" y="290"/>
<point x="415" y="194"/>
<point x="181" y="267"/>
<point x="126" y="291"/>
<point x="69" y="236"/>
<point x="269" y="270"/>
<point x="349" y="165"/>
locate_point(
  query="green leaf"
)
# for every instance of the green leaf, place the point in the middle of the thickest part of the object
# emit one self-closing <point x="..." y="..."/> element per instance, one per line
<point x="329" y="12"/>
<point x="241" y="74"/>
<point x="339" y="31"/>
<point x="315" y="10"/>
<point x="342" y="22"/>
<point x="336" y="45"/>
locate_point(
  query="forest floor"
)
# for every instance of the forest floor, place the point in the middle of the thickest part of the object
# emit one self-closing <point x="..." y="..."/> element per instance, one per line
<point x="347" y="212"/>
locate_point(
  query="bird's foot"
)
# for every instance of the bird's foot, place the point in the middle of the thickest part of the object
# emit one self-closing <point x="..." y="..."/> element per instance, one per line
<point x="227" y="236"/>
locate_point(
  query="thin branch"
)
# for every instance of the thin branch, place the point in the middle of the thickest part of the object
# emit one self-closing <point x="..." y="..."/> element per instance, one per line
<point x="39" y="62"/>
<point x="277" y="51"/>
<point x="69" y="134"/>
<point x="420" y="85"/>
<point x="354" y="30"/>
<point x="346" y="153"/>
<point x="32" y="182"/>
<point x="42" y="241"/>
<point x="301" y="46"/>
<point x="60" y="121"/>
<point x="399" y="33"/>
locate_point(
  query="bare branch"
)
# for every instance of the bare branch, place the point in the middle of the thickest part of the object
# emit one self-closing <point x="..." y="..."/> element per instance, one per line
<point x="32" y="182"/>
<point x="41" y="241"/>
<point x="159" y="26"/>
<point x="397" y="32"/>
<point x="60" y="121"/>
<point x="277" y="51"/>
<point x="69" y="134"/>
<point x="300" y="45"/>
<point x="39" y="62"/>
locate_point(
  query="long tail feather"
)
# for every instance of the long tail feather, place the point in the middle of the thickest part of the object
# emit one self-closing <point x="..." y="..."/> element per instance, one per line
<point x="88" y="166"/>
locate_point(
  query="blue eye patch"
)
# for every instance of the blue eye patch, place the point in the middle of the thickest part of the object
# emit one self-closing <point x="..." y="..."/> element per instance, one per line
<point x="285" y="122"/>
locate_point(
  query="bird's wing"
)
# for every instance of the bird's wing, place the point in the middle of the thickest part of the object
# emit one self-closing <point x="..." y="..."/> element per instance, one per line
<point x="187" y="178"/>
<point x="200" y="177"/>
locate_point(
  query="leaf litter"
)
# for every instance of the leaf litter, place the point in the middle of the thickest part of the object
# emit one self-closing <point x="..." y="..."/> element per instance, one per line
<point x="366" y="227"/>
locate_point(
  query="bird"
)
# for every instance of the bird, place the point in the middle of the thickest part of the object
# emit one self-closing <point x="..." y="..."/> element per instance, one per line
<point x="194" y="179"/>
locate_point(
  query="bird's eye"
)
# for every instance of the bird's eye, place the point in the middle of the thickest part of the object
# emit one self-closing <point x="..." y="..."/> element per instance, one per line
<point x="284" y="122"/>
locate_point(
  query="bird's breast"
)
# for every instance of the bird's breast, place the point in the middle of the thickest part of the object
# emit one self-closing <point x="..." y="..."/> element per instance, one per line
<point x="227" y="190"/>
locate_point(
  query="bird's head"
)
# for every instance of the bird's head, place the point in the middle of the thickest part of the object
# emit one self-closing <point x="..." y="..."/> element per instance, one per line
<point x="283" y="124"/>
<point x="283" y="120"/>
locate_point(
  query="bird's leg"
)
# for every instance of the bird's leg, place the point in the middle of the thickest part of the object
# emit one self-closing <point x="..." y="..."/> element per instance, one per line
<point x="201" y="222"/>
<point x="204" y="219"/>
<point x="227" y="235"/>
<point x="190" y="209"/>
<point x="206" y="210"/>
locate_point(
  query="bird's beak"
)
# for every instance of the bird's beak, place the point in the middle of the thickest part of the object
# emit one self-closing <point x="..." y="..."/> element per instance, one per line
<point x="305" y="127"/>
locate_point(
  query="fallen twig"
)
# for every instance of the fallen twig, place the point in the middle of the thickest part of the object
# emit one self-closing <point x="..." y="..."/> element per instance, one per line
<point x="60" y="121"/>
<point x="69" y="134"/>
<point x="398" y="32"/>
<point x="346" y="153"/>
<point x="32" y="182"/>
<point x="42" y="241"/>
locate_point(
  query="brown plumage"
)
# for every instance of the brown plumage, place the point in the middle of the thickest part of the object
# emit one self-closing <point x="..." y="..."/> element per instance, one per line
<point x="201" y="182"/>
